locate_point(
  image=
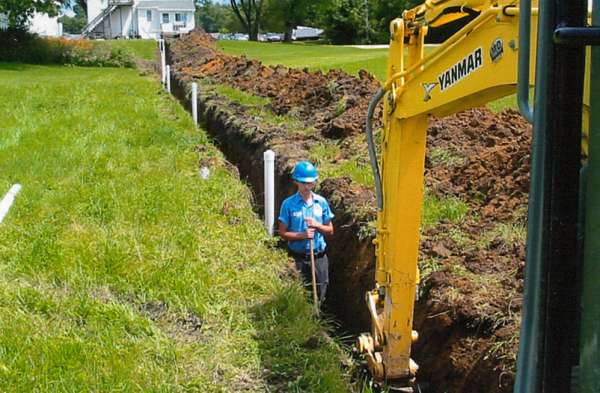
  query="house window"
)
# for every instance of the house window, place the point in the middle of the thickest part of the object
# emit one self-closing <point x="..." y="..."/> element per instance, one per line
<point x="165" y="18"/>
<point x="181" y="18"/>
<point x="149" y="16"/>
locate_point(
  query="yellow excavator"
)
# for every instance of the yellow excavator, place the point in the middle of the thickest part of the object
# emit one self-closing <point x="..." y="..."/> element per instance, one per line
<point x="507" y="46"/>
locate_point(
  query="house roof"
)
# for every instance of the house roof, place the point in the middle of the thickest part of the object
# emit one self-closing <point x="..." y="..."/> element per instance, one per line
<point x="168" y="5"/>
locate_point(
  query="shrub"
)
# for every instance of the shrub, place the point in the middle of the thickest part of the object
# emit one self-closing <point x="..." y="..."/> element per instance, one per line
<point x="21" y="46"/>
<point x="98" y="55"/>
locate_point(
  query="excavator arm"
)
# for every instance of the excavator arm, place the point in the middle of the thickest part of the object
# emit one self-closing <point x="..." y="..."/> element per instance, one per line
<point x="476" y="65"/>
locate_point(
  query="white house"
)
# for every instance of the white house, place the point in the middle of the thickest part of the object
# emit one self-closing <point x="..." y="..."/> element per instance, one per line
<point x="44" y="25"/>
<point x="41" y="24"/>
<point x="139" y="18"/>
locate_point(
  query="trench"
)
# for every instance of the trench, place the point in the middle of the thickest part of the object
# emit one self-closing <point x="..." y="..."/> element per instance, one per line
<point x="351" y="260"/>
<point x="443" y="337"/>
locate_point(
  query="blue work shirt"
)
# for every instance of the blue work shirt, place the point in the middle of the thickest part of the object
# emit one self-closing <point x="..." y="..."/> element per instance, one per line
<point x="293" y="212"/>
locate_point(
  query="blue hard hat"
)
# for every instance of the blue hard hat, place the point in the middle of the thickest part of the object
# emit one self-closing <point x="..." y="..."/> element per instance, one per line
<point x="305" y="172"/>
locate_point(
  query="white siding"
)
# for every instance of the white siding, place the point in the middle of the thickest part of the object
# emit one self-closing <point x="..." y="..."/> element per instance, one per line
<point x="184" y="26"/>
<point x="3" y="21"/>
<point x="191" y="21"/>
<point x="121" y="22"/>
<point x="148" y="29"/>
<point x="45" y="25"/>
<point x="40" y="24"/>
<point x="127" y="21"/>
<point x="94" y="7"/>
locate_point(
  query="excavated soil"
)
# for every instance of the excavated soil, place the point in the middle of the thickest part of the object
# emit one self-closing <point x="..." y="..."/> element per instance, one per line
<point x="468" y="312"/>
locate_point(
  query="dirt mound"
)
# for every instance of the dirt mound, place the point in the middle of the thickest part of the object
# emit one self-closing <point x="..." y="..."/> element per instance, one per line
<point x="468" y="313"/>
<point x="495" y="170"/>
<point x="334" y="103"/>
<point x="473" y="293"/>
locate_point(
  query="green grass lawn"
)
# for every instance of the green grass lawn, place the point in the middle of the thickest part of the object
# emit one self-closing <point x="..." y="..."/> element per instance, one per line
<point x="313" y="56"/>
<point x="120" y="268"/>
<point x="143" y="49"/>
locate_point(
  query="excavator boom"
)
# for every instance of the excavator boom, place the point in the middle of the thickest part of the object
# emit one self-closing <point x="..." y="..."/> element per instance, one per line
<point x="450" y="79"/>
<point x="476" y="65"/>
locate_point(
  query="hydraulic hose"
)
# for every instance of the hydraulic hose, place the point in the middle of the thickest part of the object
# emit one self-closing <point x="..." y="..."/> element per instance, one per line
<point x="523" y="65"/>
<point x="372" y="152"/>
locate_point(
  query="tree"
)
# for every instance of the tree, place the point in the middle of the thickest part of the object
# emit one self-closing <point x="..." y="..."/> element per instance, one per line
<point x="82" y="4"/>
<point x="343" y="21"/>
<point x="74" y="24"/>
<point x="285" y="15"/>
<point x="361" y="21"/>
<point x="383" y="12"/>
<point x="249" y="13"/>
<point x="215" y="18"/>
<point x="18" y="12"/>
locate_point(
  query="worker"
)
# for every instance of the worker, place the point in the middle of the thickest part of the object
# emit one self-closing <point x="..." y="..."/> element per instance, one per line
<point x="305" y="217"/>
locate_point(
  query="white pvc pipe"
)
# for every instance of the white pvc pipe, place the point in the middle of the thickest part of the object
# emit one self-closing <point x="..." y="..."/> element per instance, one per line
<point x="204" y="173"/>
<point x="8" y="200"/>
<point x="163" y="66"/>
<point x="269" y="158"/>
<point x="195" y="102"/>
<point x="168" y="78"/>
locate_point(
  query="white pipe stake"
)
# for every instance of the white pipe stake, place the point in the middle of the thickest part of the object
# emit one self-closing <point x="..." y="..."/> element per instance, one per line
<point x="204" y="173"/>
<point x="163" y="67"/>
<point x="195" y="102"/>
<point x="168" y="78"/>
<point x="8" y="200"/>
<point x="269" y="158"/>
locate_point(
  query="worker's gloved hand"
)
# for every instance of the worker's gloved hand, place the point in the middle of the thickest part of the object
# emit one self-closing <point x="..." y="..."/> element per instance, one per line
<point x="310" y="233"/>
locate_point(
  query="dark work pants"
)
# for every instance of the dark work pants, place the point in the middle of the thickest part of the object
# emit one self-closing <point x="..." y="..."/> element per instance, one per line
<point x="321" y="270"/>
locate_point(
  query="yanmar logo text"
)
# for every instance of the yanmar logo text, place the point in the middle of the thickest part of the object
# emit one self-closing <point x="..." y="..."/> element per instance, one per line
<point x="462" y="69"/>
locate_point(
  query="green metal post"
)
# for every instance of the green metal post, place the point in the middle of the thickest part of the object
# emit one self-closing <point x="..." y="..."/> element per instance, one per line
<point x="527" y="379"/>
<point x="590" y="302"/>
<point x="549" y="342"/>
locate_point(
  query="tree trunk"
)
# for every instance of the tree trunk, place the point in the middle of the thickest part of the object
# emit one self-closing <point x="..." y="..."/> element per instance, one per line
<point x="249" y="13"/>
<point x="287" y="36"/>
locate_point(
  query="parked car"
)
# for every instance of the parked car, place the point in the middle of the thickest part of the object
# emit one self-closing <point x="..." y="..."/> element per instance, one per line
<point x="273" y="37"/>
